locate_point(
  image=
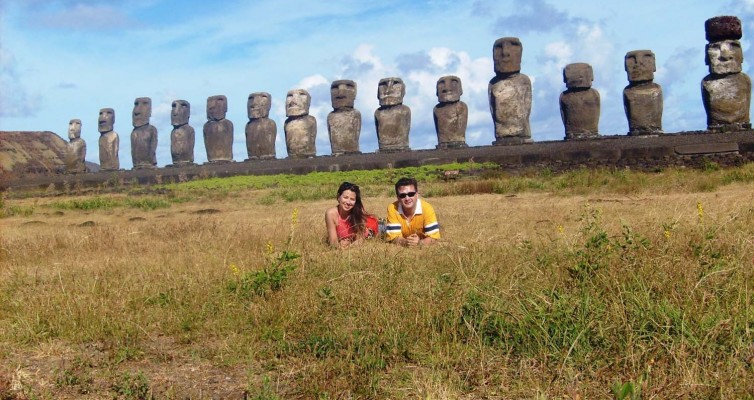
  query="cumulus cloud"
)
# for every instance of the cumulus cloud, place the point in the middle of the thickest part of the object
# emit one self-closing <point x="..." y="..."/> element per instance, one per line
<point x="15" y="98"/>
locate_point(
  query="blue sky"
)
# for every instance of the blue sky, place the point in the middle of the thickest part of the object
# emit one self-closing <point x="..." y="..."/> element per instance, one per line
<point x="64" y="59"/>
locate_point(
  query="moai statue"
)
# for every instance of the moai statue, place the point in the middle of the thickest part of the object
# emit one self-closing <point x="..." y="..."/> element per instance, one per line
<point x="183" y="136"/>
<point x="144" y="135"/>
<point x="109" y="143"/>
<point x="218" y="131"/>
<point x="300" y="127"/>
<point x="344" y="122"/>
<point x="261" y="131"/>
<point x="579" y="104"/>
<point x="76" y="152"/>
<point x="451" y="115"/>
<point x="726" y="91"/>
<point x="509" y="94"/>
<point x="642" y="98"/>
<point x="392" y="118"/>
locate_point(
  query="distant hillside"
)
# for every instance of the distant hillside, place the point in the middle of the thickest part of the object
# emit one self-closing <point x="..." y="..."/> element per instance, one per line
<point x="30" y="153"/>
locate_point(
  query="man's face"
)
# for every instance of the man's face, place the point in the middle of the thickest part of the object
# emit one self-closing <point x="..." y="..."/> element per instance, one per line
<point x="640" y="65"/>
<point x="142" y="111"/>
<point x="506" y="52"/>
<point x="106" y="120"/>
<point x="724" y="57"/>
<point x="258" y="105"/>
<point x="449" y="89"/>
<point x="390" y="91"/>
<point x="297" y="103"/>
<point x="343" y="94"/>
<point x="74" y="129"/>
<point x="179" y="114"/>
<point x="217" y="106"/>
<point x="578" y="75"/>
<point x="406" y="201"/>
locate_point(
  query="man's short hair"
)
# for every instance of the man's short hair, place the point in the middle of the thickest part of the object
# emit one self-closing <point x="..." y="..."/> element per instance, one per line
<point x="406" y="182"/>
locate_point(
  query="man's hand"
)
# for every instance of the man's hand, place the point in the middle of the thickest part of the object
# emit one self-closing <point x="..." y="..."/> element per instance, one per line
<point x="412" y="240"/>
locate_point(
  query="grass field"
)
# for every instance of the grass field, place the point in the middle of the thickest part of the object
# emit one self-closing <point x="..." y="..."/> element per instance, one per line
<point x="591" y="284"/>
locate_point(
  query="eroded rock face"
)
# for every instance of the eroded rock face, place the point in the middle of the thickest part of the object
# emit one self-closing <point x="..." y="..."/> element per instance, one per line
<point x="144" y="135"/>
<point x="451" y="114"/>
<point x="75" y="158"/>
<point x="726" y="91"/>
<point x="509" y="94"/>
<point x="344" y="122"/>
<point x="579" y="104"/>
<point x="261" y="131"/>
<point x="183" y="136"/>
<point x="642" y="98"/>
<point x="109" y="141"/>
<point x="392" y="118"/>
<point x="300" y="127"/>
<point x="218" y="131"/>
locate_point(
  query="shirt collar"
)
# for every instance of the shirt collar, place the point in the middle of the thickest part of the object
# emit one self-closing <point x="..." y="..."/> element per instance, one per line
<point x="418" y="207"/>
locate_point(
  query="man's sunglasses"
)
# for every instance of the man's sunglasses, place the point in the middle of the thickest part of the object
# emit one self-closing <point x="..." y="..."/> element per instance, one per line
<point x="409" y="194"/>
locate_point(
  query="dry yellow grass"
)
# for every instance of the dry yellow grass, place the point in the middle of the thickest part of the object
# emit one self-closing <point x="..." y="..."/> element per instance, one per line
<point x="498" y="309"/>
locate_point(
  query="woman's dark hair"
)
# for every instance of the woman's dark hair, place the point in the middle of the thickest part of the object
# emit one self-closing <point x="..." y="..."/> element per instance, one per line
<point x="358" y="214"/>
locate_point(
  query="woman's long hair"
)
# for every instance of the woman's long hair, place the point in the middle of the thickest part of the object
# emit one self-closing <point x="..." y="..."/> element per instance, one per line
<point x="358" y="215"/>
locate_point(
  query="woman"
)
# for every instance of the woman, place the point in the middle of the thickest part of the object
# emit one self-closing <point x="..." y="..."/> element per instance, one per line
<point x="348" y="223"/>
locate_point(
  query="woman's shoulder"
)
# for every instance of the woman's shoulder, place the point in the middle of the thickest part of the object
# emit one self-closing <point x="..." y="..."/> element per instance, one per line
<point x="331" y="212"/>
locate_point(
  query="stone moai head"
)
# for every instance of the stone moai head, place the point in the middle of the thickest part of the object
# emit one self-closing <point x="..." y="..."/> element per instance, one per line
<point x="106" y="120"/>
<point x="217" y="107"/>
<point x="390" y="91"/>
<point x="578" y="76"/>
<point x="180" y="113"/>
<point x="723" y="54"/>
<point x="142" y="111"/>
<point x="297" y="103"/>
<point x="640" y="65"/>
<point x="506" y="53"/>
<point x="74" y="129"/>
<point x="449" y="89"/>
<point x="343" y="94"/>
<point x="258" y="105"/>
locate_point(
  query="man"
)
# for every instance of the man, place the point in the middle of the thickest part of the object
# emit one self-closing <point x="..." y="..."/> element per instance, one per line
<point x="411" y="221"/>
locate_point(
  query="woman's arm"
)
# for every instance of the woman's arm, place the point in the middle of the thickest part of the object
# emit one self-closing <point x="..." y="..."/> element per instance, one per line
<point x="331" y="222"/>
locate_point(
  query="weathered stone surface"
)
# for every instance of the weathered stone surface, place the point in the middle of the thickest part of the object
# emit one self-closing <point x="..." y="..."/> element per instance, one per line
<point x="218" y="131"/>
<point x="144" y="135"/>
<point x="451" y="114"/>
<point x="392" y="119"/>
<point x="183" y="136"/>
<point x="579" y="104"/>
<point x="261" y="131"/>
<point x="109" y="141"/>
<point x="509" y="94"/>
<point x="75" y="158"/>
<point x="726" y="91"/>
<point x="723" y="27"/>
<point x="642" y="98"/>
<point x="300" y="127"/>
<point x="344" y="122"/>
<point x="707" y="148"/>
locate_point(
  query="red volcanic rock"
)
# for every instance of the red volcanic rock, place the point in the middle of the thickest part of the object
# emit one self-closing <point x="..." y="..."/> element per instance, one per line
<point x="727" y="27"/>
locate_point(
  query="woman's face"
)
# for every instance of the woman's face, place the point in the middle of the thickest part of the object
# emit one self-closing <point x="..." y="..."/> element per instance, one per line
<point x="346" y="200"/>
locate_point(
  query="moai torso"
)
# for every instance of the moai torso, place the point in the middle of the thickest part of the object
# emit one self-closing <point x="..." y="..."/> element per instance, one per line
<point x="642" y="98"/>
<point x="144" y="135"/>
<point x="75" y="158"/>
<point x="392" y="119"/>
<point x="183" y="136"/>
<point x="579" y="104"/>
<point x="451" y="114"/>
<point x="300" y="127"/>
<point x="726" y="91"/>
<point x="218" y="131"/>
<point x="109" y="142"/>
<point x="509" y="94"/>
<point x="261" y="131"/>
<point x="344" y="122"/>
